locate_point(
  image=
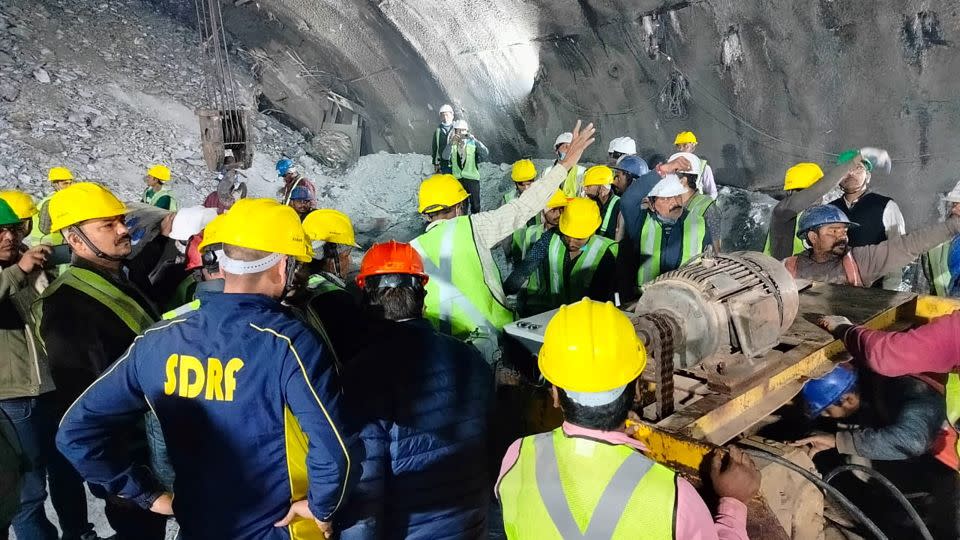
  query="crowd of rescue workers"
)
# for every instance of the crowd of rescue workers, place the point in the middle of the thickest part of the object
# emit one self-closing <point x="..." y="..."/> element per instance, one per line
<point x="214" y="364"/>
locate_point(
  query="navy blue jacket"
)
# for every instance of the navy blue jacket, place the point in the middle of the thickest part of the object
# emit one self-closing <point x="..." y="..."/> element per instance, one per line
<point x="239" y="386"/>
<point x="427" y="400"/>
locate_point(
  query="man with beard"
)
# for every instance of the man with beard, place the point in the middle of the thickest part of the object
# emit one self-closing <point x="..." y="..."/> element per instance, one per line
<point x="831" y="259"/>
<point x="597" y="183"/>
<point x="670" y="234"/>
<point x="88" y="317"/>
<point x="879" y="216"/>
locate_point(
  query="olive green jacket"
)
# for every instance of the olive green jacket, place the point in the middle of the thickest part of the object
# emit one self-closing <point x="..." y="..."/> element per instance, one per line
<point x="24" y="371"/>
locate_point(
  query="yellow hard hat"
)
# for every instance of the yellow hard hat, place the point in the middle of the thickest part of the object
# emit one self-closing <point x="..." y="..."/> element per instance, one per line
<point x="264" y="225"/>
<point x="328" y="225"/>
<point x="598" y="175"/>
<point x="802" y="176"/>
<point x="685" y="137"/>
<point x="212" y="233"/>
<point x="439" y="192"/>
<point x="523" y="171"/>
<point x="21" y="203"/>
<point x="591" y="346"/>
<point x="580" y="219"/>
<point x="59" y="174"/>
<point x="82" y="201"/>
<point x="558" y="199"/>
<point x="160" y="172"/>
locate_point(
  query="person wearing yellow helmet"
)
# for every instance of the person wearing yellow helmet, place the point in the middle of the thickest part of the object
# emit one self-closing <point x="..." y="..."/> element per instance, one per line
<point x="597" y="185"/>
<point x="523" y="173"/>
<point x="593" y="359"/>
<point x="686" y="143"/>
<point x="571" y="262"/>
<point x="26" y="382"/>
<point x="804" y="185"/>
<point x="88" y="317"/>
<point x="465" y="294"/>
<point x="158" y="191"/>
<point x="23" y="206"/>
<point x="238" y="370"/>
<point x="59" y="178"/>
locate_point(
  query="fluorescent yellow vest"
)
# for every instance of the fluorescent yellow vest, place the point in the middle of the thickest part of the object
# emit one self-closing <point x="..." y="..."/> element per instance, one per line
<point x="153" y="197"/>
<point x="609" y="220"/>
<point x="469" y="169"/>
<point x="565" y="487"/>
<point x="458" y="301"/>
<point x="937" y="268"/>
<point x="798" y="246"/>
<point x="694" y="229"/>
<point x="560" y="290"/>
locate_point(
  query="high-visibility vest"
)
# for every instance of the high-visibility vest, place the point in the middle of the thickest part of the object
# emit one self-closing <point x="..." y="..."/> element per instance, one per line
<point x="100" y="289"/>
<point x="699" y="203"/>
<point x="519" y="243"/>
<point x="321" y="284"/>
<point x="572" y="184"/>
<point x="564" y="487"/>
<point x="798" y="246"/>
<point x="938" y="269"/>
<point x="36" y="235"/>
<point x="609" y="220"/>
<point x="557" y="288"/>
<point x="458" y="301"/>
<point x="153" y="197"/>
<point x="694" y="230"/>
<point x="193" y="305"/>
<point x="946" y="447"/>
<point x="469" y="169"/>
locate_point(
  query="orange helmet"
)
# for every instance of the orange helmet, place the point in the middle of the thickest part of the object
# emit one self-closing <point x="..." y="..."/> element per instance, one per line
<point x="391" y="258"/>
<point x="194" y="259"/>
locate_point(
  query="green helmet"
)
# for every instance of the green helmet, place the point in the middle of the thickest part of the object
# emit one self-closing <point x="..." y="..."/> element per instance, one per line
<point x="849" y="155"/>
<point x="7" y="215"/>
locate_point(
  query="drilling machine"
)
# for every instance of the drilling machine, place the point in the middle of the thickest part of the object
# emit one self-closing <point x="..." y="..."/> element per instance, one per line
<point x="727" y="350"/>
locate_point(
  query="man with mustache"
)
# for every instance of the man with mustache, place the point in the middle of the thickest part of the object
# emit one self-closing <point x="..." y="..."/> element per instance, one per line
<point x="831" y="259"/>
<point x="879" y="216"/>
<point x="670" y="234"/>
<point x="87" y="318"/>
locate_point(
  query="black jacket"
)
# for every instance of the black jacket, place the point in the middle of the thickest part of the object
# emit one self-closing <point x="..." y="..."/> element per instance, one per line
<point x="83" y="337"/>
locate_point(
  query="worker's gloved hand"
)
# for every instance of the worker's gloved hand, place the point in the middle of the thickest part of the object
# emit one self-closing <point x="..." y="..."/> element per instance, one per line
<point x="733" y="474"/>
<point x="582" y="138"/>
<point x="817" y="443"/>
<point x="34" y="258"/>
<point x="163" y="504"/>
<point x="835" y="324"/>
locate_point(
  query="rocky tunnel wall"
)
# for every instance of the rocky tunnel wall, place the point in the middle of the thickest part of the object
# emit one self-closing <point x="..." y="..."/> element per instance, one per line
<point x="764" y="84"/>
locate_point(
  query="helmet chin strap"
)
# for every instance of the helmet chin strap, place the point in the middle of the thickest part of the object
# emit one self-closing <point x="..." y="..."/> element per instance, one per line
<point x="861" y="187"/>
<point x="92" y="247"/>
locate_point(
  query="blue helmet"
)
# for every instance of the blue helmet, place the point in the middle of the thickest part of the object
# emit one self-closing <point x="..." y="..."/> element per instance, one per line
<point x="301" y="193"/>
<point x="820" y="215"/>
<point x="818" y="394"/>
<point x="635" y="166"/>
<point x="283" y="166"/>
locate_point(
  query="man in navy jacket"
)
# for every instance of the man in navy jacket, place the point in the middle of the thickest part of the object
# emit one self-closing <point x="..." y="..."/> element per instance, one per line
<point x="247" y="398"/>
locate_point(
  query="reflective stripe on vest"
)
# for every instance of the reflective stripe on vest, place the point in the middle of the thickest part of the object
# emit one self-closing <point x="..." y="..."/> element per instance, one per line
<point x="577" y="488"/>
<point x="952" y="394"/>
<point x="319" y="284"/>
<point x="469" y="169"/>
<point x="182" y="310"/>
<point x="608" y="217"/>
<point x="571" y="185"/>
<point x="157" y="195"/>
<point x="798" y="246"/>
<point x="693" y="228"/>
<point x="938" y="268"/>
<point x="97" y="287"/>
<point x="698" y="204"/>
<point x="37" y="236"/>
<point x="581" y="275"/>
<point x="458" y="303"/>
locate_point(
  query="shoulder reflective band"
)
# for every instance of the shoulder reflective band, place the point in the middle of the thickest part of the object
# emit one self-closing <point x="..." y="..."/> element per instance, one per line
<point x="237" y="267"/>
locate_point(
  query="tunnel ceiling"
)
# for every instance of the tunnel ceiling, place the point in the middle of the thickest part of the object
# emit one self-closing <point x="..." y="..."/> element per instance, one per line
<point x="764" y="84"/>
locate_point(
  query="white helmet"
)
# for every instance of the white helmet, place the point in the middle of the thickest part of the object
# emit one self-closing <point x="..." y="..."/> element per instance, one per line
<point x="190" y="221"/>
<point x="565" y="137"/>
<point x="695" y="164"/>
<point x="668" y="186"/>
<point x="624" y="145"/>
<point x="954" y="194"/>
<point x="461" y="124"/>
<point x="446" y="108"/>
